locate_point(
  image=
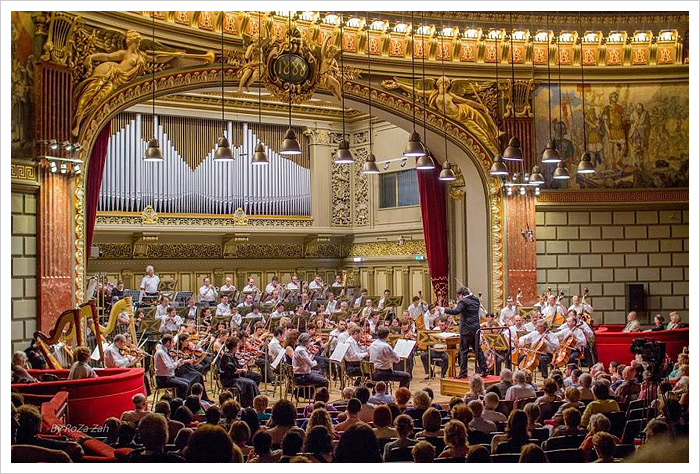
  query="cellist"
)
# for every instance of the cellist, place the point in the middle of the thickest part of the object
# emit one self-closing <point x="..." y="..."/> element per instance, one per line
<point x="578" y="342"/>
<point x="544" y="342"/>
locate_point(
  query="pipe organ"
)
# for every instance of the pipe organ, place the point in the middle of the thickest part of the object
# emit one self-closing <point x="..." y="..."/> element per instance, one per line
<point x="187" y="185"/>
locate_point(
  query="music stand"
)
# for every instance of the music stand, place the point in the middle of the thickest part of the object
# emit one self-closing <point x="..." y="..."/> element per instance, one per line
<point x="133" y="293"/>
<point x="393" y="302"/>
<point x="496" y="342"/>
<point x="181" y="298"/>
<point x="337" y="290"/>
<point x="149" y="325"/>
<point x="216" y="319"/>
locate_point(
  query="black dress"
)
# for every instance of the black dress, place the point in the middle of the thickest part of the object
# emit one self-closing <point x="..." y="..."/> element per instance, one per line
<point x="228" y="365"/>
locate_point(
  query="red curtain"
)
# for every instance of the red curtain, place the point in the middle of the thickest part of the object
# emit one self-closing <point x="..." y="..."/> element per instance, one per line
<point x="433" y="212"/>
<point x="94" y="182"/>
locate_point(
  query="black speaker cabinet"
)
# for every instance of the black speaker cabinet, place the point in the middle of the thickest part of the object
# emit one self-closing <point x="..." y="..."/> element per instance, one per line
<point x="636" y="299"/>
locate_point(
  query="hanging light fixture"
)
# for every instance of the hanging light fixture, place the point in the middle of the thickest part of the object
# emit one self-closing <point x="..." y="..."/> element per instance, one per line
<point x="560" y="173"/>
<point x="290" y="145"/>
<point x="536" y="177"/>
<point x="223" y="151"/>
<point x="498" y="168"/>
<point x="446" y="174"/>
<point x="370" y="166"/>
<point x="550" y="154"/>
<point x="585" y="166"/>
<point x="426" y="161"/>
<point x="153" y="152"/>
<point x="512" y="152"/>
<point x="414" y="147"/>
<point x="260" y="157"/>
<point x="343" y="155"/>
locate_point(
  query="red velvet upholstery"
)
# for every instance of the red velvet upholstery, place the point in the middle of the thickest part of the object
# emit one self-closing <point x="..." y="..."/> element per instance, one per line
<point x="91" y="401"/>
<point x="614" y="345"/>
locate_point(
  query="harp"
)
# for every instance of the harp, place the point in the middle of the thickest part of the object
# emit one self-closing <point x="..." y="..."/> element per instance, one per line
<point x="124" y="305"/>
<point x="69" y="327"/>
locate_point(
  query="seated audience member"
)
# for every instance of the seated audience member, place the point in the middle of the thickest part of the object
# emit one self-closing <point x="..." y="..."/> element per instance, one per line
<point x="599" y="424"/>
<point x="521" y="389"/>
<point x="198" y="390"/>
<point x="212" y="415"/>
<point x="153" y="433"/>
<point x="320" y="417"/>
<point x="111" y="427"/>
<point x="584" y="387"/>
<point x="490" y="404"/>
<point x="476" y="389"/>
<point x="572" y="420"/>
<point x="529" y="379"/>
<point x="531" y="453"/>
<point x="194" y="404"/>
<point x="380" y="397"/>
<point x="367" y="411"/>
<point x="319" y="444"/>
<point x="421" y="402"/>
<point x="629" y="389"/>
<point x="81" y="367"/>
<point x="505" y="383"/>
<point x="239" y="432"/>
<point x="571" y="400"/>
<point x="478" y="423"/>
<point x="140" y="409"/>
<point x="478" y="454"/>
<point x="403" y="395"/>
<point x="532" y="410"/>
<point x="383" y="420"/>
<point x="262" y="444"/>
<point x="250" y="418"/>
<point x="211" y="444"/>
<point x="292" y="443"/>
<point x="462" y="413"/>
<point x="602" y="403"/>
<point x="455" y="440"/>
<point x="230" y="410"/>
<point x="432" y="422"/>
<point x="516" y="435"/>
<point x="184" y="415"/>
<point x="29" y="421"/>
<point x="550" y="388"/>
<point x="423" y="452"/>
<point x="284" y="417"/>
<point x="654" y="429"/>
<point x="260" y="403"/>
<point x="359" y="445"/>
<point x="681" y="360"/>
<point x="127" y="433"/>
<point x="404" y="428"/>
<point x="163" y="408"/>
<point x="351" y="412"/>
<point x="19" y="369"/>
<point x="181" y="440"/>
<point x="604" y="445"/>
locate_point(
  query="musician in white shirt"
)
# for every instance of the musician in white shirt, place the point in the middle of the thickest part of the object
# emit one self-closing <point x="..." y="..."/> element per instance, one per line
<point x="273" y="285"/>
<point x="330" y="304"/>
<point x="278" y="312"/>
<point x="165" y="368"/>
<point x="368" y="309"/>
<point x="250" y="287"/>
<point x="532" y="325"/>
<point x="535" y="337"/>
<point x="571" y="328"/>
<point x="275" y="345"/>
<point x="417" y="307"/>
<point x="553" y="312"/>
<point x="170" y="321"/>
<point x="580" y="307"/>
<point x="162" y="308"/>
<point x="431" y="316"/>
<point x="228" y="286"/>
<point x="247" y="302"/>
<point x="316" y="284"/>
<point x="382" y="300"/>
<point x="508" y="312"/>
<point x="207" y="293"/>
<point x="150" y="282"/>
<point x="294" y="284"/>
<point x="236" y="319"/>
<point x="223" y="308"/>
<point x="384" y="357"/>
<point x="303" y="364"/>
<point x="191" y="309"/>
<point x="338" y="283"/>
<point x="345" y="334"/>
<point x="113" y="356"/>
<point x="355" y="353"/>
<point x="361" y="299"/>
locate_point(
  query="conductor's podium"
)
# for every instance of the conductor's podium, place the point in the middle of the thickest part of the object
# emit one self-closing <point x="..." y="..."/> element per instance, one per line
<point x="614" y="345"/>
<point x="90" y="401"/>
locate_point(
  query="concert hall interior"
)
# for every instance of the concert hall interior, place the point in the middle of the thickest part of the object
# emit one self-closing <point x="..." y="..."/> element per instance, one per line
<point x="350" y="236"/>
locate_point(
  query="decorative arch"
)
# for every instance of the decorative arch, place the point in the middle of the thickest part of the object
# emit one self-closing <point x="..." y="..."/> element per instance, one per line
<point x="185" y="79"/>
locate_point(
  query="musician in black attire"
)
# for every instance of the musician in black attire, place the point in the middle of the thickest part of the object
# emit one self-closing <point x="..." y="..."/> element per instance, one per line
<point x="468" y="309"/>
<point x="232" y="373"/>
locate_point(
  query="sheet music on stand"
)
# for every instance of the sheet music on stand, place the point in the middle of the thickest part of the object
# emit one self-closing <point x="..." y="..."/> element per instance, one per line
<point x="181" y="298"/>
<point x="277" y="360"/>
<point x="404" y="347"/>
<point x="339" y="353"/>
<point x="134" y="295"/>
<point x="447" y="335"/>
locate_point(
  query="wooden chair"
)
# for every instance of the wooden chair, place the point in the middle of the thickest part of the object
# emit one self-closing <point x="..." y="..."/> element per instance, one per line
<point x="367" y="371"/>
<point x="306" y="390"/>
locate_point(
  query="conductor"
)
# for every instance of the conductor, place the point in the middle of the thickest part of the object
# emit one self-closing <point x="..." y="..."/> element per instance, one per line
<point x="468" y="309"/>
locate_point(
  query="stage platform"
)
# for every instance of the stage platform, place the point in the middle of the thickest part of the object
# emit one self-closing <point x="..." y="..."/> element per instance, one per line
<point x="454" y="387"/>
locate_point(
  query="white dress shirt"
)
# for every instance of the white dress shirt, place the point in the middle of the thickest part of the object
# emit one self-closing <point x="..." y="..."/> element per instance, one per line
<point x="168" y="324"/>
<point x="161" y="310"/>
<point x="236" y="321"/>
<point x="588" y="331"/>
<point x="343" y="337"/>
<point x="314" y="285"/>
<point x="150" y="284"/>
<point x="414" y="310"/>
<point x="535" y="337"/>
<point x="507" y="314"/>
<point x="270" y="288"/>
<point x="292" y="286"/>
<point x="302" y="362"/>
<point x="330" y="307"/>
<point x="529" y="327"/>
<point x="276" y="314"/>
<point x="81" y="370"/>
<point x="223" y="309"/>
<point x="192" y="312"/>
<point x="578" y="333"/>
<point x="550" y="312"/>
<point x="207" y="293"/>
<point x="382" y="355"/>
<point x="164" y="364"/>
<point x="274" y="348"/>
<point x="581" y="308"/>
<point x="337" y="284"/>
<point x="354" y="353"/>
<point x="359" y="300"/>
<point x="367" y="312"/>
<point x="429" y="319"/>
<point x="114" y="359"/>
<point x="249" y="288"/>
<point x="227" y="288"/>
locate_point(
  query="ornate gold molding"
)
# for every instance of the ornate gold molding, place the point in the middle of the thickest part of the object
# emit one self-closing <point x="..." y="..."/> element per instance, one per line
<point x="191" y="220"/>
<point x="386" y="249"/>
<point x="23" y="172"/>
<point x="149" y="216"/>
<point x="240" y="218"/>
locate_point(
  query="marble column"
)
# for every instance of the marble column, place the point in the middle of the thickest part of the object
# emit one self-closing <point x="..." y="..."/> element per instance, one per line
<point x="320" y="144"/>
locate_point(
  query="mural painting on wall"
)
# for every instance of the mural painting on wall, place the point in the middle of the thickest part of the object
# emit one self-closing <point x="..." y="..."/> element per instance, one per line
<point x="22" y="31"/>
<point x="637" y="135"/>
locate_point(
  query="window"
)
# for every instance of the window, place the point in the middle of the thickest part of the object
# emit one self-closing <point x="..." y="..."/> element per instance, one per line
<point x="398" y="189"/>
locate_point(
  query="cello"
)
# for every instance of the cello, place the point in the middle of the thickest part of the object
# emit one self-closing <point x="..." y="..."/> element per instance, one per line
<point x="532" y="358"/>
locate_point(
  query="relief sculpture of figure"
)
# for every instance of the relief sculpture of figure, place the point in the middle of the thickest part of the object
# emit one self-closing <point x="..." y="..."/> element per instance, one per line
<point x="254" y="59"/>
<point x="329" y="68"/>
<point x="472" y="113"/>
<point x="117" y="68"/>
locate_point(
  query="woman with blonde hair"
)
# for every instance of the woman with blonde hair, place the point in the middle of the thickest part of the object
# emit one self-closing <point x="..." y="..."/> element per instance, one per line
<point x="320" y="417"/>
<point x="476" y="389"/>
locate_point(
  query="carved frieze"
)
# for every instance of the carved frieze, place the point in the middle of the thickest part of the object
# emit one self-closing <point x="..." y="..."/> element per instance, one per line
<point x="386" y="249"/>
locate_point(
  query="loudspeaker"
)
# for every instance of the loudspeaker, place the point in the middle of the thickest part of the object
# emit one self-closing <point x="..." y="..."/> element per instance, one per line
<point x="94" y="251"/>
<point x="636" y="299"/>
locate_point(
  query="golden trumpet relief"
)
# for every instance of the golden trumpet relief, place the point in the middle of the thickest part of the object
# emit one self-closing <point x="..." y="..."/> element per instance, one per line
<point x="637" y="134"/>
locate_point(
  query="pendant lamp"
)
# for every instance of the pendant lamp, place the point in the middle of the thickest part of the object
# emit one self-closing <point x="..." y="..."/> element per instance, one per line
<point x="370" y="166"/>
<point x="550" y="153"/>
<point x="260" y="157"/>
<point x="414" y="147"/>
<point x="290" y="144"/>
<point x="512" y="152"/>
<point x="223" y="151"/>
<point x="343" y="155"/>
<point x="154" y="151"/>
